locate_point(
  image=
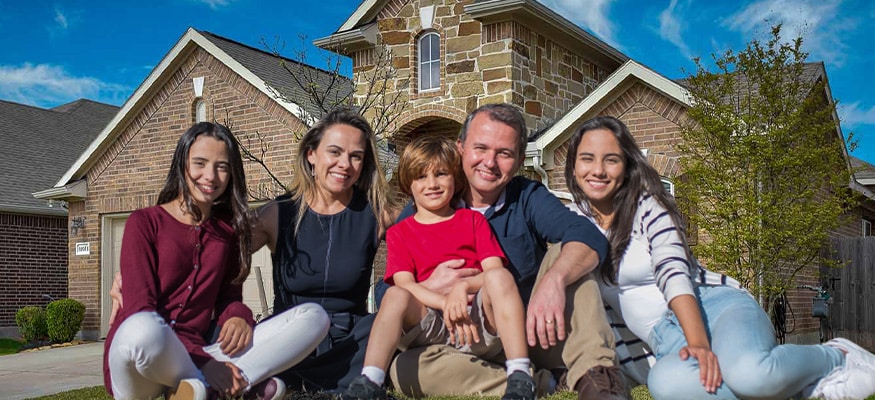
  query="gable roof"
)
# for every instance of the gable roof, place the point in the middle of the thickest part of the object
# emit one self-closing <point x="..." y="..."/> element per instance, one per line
<point x="614" y="85"/>
<point x="40" y="144"/>
<point x="273" y="72"/>
<point x="259" y="68"/>
<point x="359" y="27"/>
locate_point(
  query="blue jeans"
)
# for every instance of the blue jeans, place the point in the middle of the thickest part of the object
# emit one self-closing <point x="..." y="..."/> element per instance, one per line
<point x="752" y="363"/>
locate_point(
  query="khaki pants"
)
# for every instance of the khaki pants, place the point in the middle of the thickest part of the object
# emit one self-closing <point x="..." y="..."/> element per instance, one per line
<point x="440" y="370"/>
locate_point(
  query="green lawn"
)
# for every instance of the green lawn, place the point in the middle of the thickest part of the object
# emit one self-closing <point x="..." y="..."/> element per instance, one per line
<point x="9" y="346"/>
<point x="97" y="393"/>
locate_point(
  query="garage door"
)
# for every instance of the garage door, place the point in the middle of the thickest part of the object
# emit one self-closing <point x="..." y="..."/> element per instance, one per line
<point x="257" y="290"/>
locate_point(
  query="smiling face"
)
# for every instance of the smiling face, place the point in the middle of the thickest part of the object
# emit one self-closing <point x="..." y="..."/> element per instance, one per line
<point x="337" y="161"/>
<point x="433" y="191"/>
<point x="490" y="158"/>
<point x="208" y="171"/>
<point x="599" y="168"/>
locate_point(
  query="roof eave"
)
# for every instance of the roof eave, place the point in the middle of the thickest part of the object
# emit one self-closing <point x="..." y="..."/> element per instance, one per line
<point x="351" y="40"/>
<point x="549" y="20"/>
<point x="32" y="210"/>
<point x="78" y="190"/>
<point x="367" y="9"/>
<point x="612" y="86"/>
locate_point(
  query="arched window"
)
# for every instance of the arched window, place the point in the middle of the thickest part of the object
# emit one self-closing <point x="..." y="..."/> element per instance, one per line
<point x="429" y="50"/>
<point x="200" y="110"/>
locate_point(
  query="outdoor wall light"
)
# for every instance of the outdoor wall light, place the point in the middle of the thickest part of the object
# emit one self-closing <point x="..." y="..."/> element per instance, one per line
<point x="75" y="224"/>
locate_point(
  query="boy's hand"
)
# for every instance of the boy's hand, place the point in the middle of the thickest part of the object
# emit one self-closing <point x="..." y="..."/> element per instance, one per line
<point x="456" y="318"/>
<point x="456" y="305"/>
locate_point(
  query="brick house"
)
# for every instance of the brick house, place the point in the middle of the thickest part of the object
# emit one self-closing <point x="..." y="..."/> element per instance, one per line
<point x="204" y="77"/>
<point x="458" y="55"/>
<point x="40" y="144"/>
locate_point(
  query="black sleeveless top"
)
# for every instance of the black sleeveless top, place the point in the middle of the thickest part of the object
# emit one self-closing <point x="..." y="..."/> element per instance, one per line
<point x="329" y="261"/>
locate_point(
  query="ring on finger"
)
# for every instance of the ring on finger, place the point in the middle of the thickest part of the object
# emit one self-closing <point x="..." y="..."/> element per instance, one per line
<point x="549" y="321"/>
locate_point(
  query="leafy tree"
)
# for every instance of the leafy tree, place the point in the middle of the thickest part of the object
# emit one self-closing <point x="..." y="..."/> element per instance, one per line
<point x="765" y="166"/>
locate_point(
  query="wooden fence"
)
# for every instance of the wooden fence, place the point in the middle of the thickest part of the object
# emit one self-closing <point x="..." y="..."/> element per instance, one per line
<point x="852" y="312"/>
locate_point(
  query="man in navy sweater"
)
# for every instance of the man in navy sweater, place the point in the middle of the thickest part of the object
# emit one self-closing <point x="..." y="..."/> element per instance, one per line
<point x="567" y="330"/>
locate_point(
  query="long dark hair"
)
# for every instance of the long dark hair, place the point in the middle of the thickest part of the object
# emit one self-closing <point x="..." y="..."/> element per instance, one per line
<point x="233" y="202"/>
<point x="370" y="181"/>
<point x="640" y="179"/>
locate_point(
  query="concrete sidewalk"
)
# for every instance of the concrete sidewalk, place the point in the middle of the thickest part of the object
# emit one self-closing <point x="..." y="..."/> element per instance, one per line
<point x="39" y="373"/>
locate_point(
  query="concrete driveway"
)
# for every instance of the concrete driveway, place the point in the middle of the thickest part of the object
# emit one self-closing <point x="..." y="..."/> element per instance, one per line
<point x="39" y="373"/>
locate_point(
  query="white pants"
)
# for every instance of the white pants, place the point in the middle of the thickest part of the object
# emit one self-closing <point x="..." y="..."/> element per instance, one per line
<point x="146" y="357"/>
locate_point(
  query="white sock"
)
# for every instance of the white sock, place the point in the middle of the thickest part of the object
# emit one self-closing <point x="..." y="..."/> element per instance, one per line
<point x="517" y="364"/>
<point x="375" y="374"/>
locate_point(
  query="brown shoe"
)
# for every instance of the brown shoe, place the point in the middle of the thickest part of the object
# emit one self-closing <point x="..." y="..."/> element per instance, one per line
<point x="601" y="383"/>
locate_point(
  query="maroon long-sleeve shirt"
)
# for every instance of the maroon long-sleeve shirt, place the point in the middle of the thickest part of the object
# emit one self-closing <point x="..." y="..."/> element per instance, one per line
<point x="183" y="273"/>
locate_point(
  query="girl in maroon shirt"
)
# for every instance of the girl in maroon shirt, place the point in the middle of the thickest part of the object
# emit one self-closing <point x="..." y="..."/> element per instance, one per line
<point x="183" y="263"/>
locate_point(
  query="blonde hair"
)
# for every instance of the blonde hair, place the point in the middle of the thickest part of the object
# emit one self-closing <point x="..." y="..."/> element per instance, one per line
<point x="371" y="181"/>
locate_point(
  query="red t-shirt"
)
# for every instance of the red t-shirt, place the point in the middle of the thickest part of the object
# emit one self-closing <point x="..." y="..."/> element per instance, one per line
<point x="418" y="248"/>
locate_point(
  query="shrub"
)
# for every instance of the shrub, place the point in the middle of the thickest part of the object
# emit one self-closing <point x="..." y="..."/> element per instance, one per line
<point x="64" y="318"/>
<point x="31" y="323"/>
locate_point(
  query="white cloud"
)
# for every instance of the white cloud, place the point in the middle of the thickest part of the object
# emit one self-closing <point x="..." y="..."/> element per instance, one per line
<point x="215" y="4"/>
<point x="592" y="17"/>
<point x="816" y="21"/>
<point x="49" y="85"/>
<point x="670" y="28"/>
<point x="854" y="114"/>
<point x="61" y="19"/>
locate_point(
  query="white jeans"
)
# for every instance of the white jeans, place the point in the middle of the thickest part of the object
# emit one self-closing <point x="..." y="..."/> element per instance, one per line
<point x="146" y="357"/>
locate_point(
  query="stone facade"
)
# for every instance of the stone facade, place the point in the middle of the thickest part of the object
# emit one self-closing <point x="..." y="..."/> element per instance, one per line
<point x="132" y="171"/>
<point x="481" y="64"/>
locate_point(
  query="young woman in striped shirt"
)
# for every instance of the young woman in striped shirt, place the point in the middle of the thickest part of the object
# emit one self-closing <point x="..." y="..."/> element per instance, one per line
<point x="711" y="339"/>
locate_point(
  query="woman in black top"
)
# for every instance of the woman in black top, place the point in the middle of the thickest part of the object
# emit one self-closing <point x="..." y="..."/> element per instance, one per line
<point x="323" y="236"/>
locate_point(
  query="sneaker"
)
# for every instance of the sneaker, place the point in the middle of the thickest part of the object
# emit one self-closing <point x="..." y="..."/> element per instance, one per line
<point x="188" y="389"/>
<point x="270" y="389"/>
<point x="852" y="380"/>
<point x="520" y="386"/>
<point x="362" y="388"/>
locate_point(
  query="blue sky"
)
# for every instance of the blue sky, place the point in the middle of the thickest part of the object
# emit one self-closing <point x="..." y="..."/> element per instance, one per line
<point x="53" y="52"/>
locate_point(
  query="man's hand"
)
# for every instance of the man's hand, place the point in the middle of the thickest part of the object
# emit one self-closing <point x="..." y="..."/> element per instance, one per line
<point x="235" y="336"/>
<point x="446" y="275"/>
<point x="709" y="369"/>
<point x="225" y="378"/>
<point x="545" y="317"/>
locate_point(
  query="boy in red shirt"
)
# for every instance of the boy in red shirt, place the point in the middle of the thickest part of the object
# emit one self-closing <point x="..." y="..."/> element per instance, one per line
<point x="411" y="315"/>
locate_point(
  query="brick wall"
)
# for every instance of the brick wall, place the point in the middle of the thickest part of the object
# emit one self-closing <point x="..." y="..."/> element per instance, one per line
<point x="33" y="262"/>
<point x="132" y="171"/>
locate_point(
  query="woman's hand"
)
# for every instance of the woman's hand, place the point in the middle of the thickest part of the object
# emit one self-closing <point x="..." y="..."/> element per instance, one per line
<point x="709" y="369"/>
<point x="115" y="293"/>
<point x="235" y="336"/>
<point x="224" y="377"/>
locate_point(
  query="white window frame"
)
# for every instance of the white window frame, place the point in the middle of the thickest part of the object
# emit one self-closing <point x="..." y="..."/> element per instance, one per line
<point x="866" y="228"/>
<point x="428" y="64"/>
<point x="668" y="185"/>
<point x="200" y="110"/>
